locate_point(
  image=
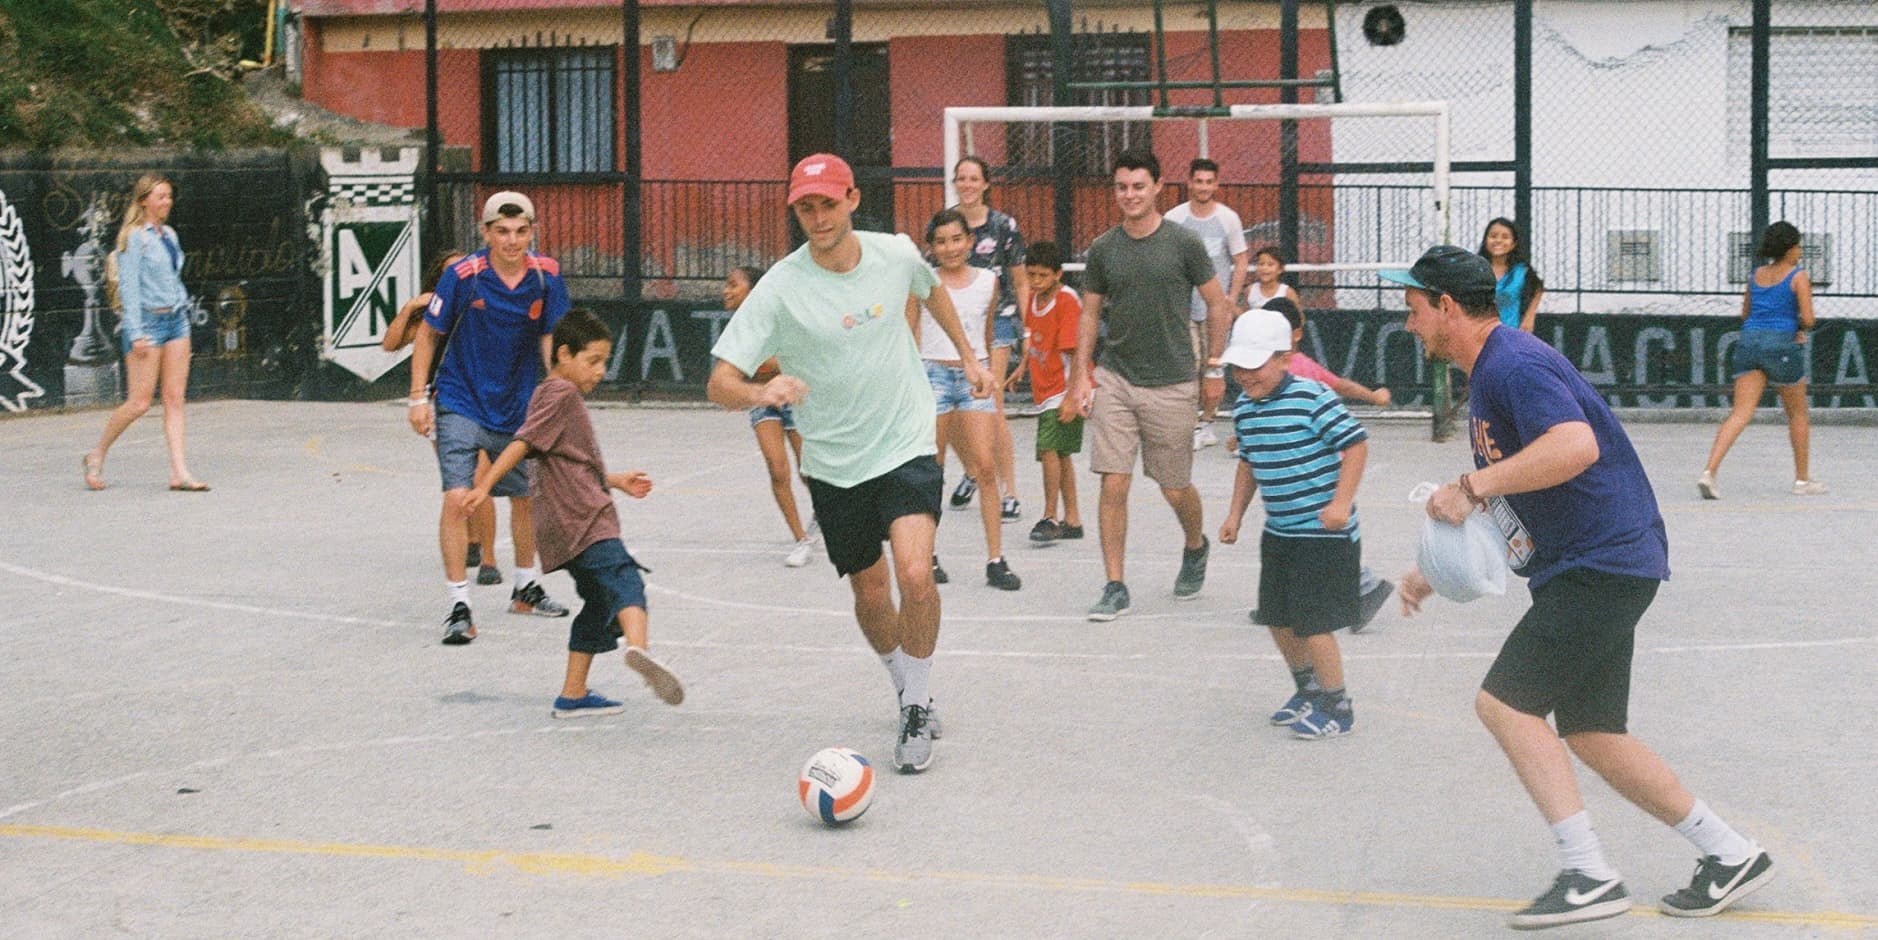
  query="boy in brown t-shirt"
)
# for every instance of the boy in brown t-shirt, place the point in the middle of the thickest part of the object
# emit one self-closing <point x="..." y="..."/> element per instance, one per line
<point x="576" y="526"/>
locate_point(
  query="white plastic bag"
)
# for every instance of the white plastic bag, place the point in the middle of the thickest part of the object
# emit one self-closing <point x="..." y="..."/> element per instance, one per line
<point x="1461" y="562"/>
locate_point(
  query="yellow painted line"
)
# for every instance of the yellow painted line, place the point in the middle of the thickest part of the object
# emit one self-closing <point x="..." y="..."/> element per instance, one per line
<point x="641" y="864"/>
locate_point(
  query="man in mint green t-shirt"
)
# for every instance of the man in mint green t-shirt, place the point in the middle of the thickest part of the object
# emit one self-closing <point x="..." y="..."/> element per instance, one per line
<point x="834" y="313"/>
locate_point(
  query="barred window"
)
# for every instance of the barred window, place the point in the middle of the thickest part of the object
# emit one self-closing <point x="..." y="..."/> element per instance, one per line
<point x="549" y="110"/>
<point x="1098" y="57"/>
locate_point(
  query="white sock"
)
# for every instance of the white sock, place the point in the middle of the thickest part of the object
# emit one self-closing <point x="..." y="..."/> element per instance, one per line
<point x="1578" y="847"/>
<point x="459" y="591"/>
<point x="1366" y="580"/>
<point x="1708" y="833"/>
<point x="526" y="576"/>
<point x="896" y="669"/>
<point x="918" y="690"/>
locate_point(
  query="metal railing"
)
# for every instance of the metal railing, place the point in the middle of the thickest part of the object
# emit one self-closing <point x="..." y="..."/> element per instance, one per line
<point x="1597" y="248"/>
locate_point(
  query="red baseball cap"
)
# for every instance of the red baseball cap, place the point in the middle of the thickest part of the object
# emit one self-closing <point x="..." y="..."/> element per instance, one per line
<point x="821" y="174"/>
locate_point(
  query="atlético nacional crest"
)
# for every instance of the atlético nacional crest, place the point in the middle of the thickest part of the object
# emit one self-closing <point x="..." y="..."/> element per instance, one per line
<point x="370" y="253"/>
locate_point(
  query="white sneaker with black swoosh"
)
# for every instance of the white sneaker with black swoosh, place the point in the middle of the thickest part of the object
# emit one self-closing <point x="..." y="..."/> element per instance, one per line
<point x="1574" y="898"/>
<point x="1716" y="885"/>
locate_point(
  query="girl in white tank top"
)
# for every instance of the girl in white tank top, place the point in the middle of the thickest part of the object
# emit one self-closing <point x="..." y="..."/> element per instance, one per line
<point x="1267" y="268"/>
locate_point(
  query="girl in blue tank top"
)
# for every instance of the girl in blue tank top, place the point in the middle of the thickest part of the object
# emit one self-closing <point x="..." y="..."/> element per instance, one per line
<point x="1776" y="314"/>
<point x="1517" y="287"/>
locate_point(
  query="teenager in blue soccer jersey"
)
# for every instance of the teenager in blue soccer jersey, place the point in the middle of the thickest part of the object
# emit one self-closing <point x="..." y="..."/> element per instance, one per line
<point x="1558" y="475"/>
<point x="493" y="315"/>
<point x="836" y="315"/>
<point x="1304" y="454"/>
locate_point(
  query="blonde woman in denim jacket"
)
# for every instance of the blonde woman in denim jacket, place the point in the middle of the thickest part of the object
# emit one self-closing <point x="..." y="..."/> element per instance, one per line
<point x="154" y="329"/>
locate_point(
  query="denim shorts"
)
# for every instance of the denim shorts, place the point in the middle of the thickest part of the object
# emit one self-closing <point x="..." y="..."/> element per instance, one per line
<point x="783" y="413"/>
<point x="1005" y="328"/>
<point x="158" y="328"/>
<point x="1771" y="351"/>
<point x="608" y="580"/>
<point x="458" y="440"/>
<point x="950" y="391"/>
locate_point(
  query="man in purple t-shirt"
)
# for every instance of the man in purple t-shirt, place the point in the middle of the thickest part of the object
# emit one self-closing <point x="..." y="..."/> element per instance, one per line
<point x="1558" y="475"/>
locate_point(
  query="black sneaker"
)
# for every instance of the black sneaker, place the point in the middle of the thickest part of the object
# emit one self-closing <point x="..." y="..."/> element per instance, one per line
<point x="1044" y="532"/>
<point x="998" y="575"/>
<point x="488" y="574"/>
<point x="533" y="599"/>
<point x="1574" y="898"/>
<point x="1372" y="601"/>
<point x="963" y="495"/>
<point x="1068" y="532"/>
<point x="474" y="557"/>
<point x="1009" y="511"/>
<point x="458" y="628"/>
<point x="1192" y="575"/>
<point x="1716" y="886"/>
<point x="939" y="575"/>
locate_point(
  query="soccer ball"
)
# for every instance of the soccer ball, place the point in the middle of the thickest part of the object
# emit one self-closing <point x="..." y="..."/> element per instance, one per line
<point x="836" y="786"/>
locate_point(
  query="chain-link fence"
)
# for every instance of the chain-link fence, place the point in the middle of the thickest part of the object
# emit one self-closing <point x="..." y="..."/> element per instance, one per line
<point x="1631" y="164"/>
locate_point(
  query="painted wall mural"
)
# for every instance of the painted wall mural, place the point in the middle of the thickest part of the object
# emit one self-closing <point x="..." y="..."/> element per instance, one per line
<point x="16" y="294"/>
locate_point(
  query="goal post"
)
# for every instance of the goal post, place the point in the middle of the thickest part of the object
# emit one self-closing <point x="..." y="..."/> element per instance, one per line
<point x="1401" y="204"/>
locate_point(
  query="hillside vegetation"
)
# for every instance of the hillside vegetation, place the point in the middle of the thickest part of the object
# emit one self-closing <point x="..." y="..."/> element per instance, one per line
<point x="102" y="74"/>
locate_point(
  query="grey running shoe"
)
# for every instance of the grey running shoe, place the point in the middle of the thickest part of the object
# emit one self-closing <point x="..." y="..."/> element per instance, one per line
<point x="998" y="575"/>
<point x="1044" y="532"/>
<point x="663" y="682"/>
<point x="1372" y="602"/>
<point x="1192" y="575"/>
<point x="1810" y="488"/>
<point x="532" y="599"/>
<point x="1705" y="484"/>
<point x="1716" y="886"/>
<point x="1573" y="898"/>
<point x="913" y="753"/>
<point x="1114" y="602"/>
<point x="488" y="574"/>
<point x="939" y="575"/>
<point x="458" y="628"/>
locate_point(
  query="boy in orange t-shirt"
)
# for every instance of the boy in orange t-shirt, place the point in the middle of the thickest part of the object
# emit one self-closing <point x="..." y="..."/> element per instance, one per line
<point x="1050" y="324"/>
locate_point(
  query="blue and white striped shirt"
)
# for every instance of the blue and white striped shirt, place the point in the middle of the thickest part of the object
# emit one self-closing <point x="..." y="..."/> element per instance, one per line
<point x="1294" y="439"/>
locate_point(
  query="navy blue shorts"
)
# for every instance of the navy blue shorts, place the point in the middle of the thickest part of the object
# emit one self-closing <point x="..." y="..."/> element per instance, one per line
<point x="608" y="580"/>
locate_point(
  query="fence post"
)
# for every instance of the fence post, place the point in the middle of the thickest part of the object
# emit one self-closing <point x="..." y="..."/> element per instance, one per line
<point x="1522" y="119"/>
<point x="631" y="253"/>
<point x="1760" y="69"/>
<point x="427" y="192"/>
<point x="1062" y="134"/>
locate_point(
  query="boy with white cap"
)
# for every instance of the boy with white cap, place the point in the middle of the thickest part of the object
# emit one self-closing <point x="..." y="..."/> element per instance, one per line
<point x="1303" y="451"/>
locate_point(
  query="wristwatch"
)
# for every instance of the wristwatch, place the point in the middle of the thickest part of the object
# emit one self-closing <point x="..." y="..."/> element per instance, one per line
<point x="1216" y="372"/>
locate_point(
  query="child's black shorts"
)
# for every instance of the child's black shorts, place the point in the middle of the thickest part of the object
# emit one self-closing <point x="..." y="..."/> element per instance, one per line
<point x="1309" y="584"/>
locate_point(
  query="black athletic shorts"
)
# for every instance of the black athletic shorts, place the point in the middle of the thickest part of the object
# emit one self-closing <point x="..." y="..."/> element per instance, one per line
<point x="856" y="519"/>
<point x="1570" y="655"/>
<point x="1309" y="584"/>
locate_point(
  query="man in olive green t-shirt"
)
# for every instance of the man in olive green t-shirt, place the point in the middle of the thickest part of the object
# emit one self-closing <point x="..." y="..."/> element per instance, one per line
<point x="834" y="315"/>
<point x="1140" y="278"/>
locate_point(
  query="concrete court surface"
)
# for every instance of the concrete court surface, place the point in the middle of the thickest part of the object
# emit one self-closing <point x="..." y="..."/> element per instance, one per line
<point x="228" y="714"/>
